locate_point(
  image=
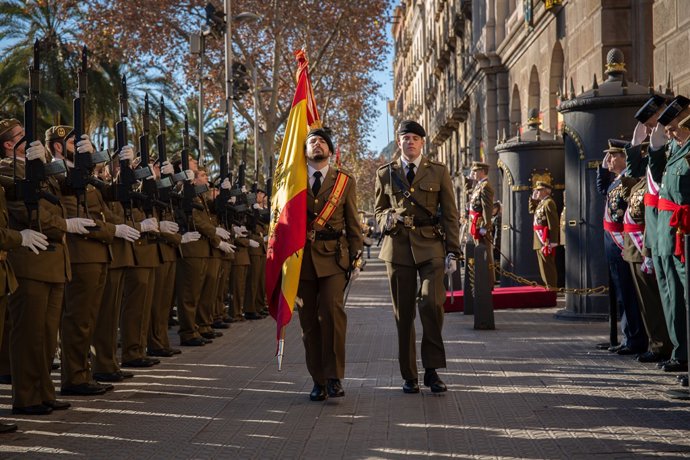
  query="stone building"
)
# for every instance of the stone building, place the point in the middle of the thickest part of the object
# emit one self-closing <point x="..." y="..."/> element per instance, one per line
<point x="470" y="70"/>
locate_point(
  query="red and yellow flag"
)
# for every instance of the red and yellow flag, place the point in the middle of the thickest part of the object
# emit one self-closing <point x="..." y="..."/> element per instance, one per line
<point x="288" y="228"/>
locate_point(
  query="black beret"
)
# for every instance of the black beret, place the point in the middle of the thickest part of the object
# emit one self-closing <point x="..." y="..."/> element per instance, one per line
<point x="323" y="133"/>
<point x="616" y="146"/>
<point x="410" y="126"/>
<point x="652" y="106"/>
<point x="675" y="107"/>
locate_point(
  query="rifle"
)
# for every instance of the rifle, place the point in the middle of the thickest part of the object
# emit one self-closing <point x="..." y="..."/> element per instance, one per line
<point x="185" y="220"/>
<point x="224" y="194"/>
<point x="34" y="173"/>
<point x="143" y="172"/>
<point x="126" y="177"/>
<point x="165" y="184"/>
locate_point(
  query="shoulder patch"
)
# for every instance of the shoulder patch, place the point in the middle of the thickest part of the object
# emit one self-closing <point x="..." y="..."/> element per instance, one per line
<point x="438" y="163"/>
<point x="385" y="165"/>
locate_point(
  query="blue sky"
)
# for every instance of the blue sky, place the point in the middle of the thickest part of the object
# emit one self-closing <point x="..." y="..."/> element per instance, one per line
<point x="383" y="129"/>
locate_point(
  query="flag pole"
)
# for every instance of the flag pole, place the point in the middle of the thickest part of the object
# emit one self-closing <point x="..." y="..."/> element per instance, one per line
<point x="281" y="345"/>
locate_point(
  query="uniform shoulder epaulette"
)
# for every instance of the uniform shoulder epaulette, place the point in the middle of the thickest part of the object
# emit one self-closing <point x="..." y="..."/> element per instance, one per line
<point x="347" y="173"/>
<point x="385" y="165"/>
<point x="438" y="163"/>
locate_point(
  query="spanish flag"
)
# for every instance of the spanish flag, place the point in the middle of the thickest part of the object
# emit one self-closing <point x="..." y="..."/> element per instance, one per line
<point x="288" y="228"/>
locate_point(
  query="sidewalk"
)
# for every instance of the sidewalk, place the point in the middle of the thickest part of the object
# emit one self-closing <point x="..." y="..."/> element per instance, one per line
<point x="533" y="388"/>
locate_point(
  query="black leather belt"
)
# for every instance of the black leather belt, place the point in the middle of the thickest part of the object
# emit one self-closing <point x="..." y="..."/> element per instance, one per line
<point x="411" y="221"/>
<point x="327" y="236"/>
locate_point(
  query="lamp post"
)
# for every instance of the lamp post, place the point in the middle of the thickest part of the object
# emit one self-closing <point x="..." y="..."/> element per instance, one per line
<point x="198" y="46"/>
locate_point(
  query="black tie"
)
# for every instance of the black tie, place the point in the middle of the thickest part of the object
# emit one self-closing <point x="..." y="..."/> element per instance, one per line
<point x="410" y="173"/>
<point x="317" y="183"/>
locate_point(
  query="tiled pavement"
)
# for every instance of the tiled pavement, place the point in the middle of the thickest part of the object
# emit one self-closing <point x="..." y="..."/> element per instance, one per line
<point x="532" y="388"/>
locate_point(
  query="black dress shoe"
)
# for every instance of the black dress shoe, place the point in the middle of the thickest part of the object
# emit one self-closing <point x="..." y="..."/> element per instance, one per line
<point x="56" y="404"/>
<point x="651" y="357"/>
<point x="661" y="364"/>
<point x="195" y="342"/>
<point x="38" y="409"/>
<point x="603" y="346"/>
<point x="615" y="348"/>
<point x="139" y="362"/>
<point x="252" y="316"/>
<point x="108" y="376"/>
<point x="126" y="374"/>
<point x="8" y="427"/>
<point x="153" y="360"/>
<point x="105" y="386"/>
<point x="626" y="351"/>
<point x="228" y="320"/>
<point x="684" y="381"/>
<point x="335" y="388"/>
<point x="411" y="386"/>
<point x="211" y="335"/>
<point x="434" y="382"/>
<point x="675" y="366"/>
<point x="318" y="393"/>
<point x="162" y="352"/>
<point x="207" y="340"/>
<point x="83" y="389"/>
<point x="175" y="351"/>
<point x="220" y="325"/>
<point x="6" y="379"/>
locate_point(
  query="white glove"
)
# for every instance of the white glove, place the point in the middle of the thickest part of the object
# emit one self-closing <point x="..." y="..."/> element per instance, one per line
<point x="354" y="274"/>
<point x="189" y="174"/>
<point x="126" y="153"/>
<point x="535" y="194"/>
<point x="639" y="135"/>
<point x="256" y="206"/>
<point x="36" y="151"/>
<point x="244" y="189"/>
<point x="222" y="233"/>
<point x="225" y="185"/>
<point x="226" y="247"/>
<point x="451" y="264"/>
<point x="190" y="237"/>
<point x="34" y="240"/>
<point x="391" y="219"/>
<point x="658" y="137"/>
<point x="232" y="200"/>
<point x="78" y="225"/>
<point x="239" y="231"/>
<point x="266" y="239"/>
<point x="482" y="231"/>
<point x="126" y="232"/>
<point x="254" y="244"/>
<point x="85" y="145"/>
<point x="149" y="225"/>
<point x="167" y="226"/>
<point x="167" y="168"/>
<point x="605" y="161"/>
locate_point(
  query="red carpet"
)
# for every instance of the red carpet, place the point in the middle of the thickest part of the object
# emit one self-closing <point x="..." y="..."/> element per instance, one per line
<point x="509" y="297"/>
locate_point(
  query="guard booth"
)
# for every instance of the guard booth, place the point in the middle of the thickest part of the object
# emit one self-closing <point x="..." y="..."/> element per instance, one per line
<point x="604" y="112"/>
<point x="523" y="160"/>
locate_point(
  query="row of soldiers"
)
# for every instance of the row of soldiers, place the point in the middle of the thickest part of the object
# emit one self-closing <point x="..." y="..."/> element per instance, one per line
<point x="86" y="264"/>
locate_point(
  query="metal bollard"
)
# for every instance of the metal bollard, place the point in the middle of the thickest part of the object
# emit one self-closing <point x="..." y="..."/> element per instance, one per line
<point x="483" y="300"/>
<point x="468" y="295"/>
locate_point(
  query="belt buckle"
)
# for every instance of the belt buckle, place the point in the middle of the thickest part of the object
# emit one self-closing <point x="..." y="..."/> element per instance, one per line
<point x="311" y="235"/>
<point x="408" y="221"/>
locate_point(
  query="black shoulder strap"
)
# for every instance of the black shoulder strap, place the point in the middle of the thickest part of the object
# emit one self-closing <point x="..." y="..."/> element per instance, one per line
<point x="406" y="192"/>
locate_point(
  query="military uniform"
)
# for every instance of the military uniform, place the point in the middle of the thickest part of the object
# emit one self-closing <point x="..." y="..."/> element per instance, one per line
<point x="418" y="245"/>
<point x="211" y="284"/>
<point x="240" y="269"/>
<point x="327" y="257"/>
<point x="254" y="300"/>
<point x="546" y="238"/>
<point x="480" y="206"/>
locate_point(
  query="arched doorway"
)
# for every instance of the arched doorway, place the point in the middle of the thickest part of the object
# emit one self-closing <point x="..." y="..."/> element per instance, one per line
<point x="534" y="90"/>
<point x="555" y="82"/>
<point x="515" y="112"/>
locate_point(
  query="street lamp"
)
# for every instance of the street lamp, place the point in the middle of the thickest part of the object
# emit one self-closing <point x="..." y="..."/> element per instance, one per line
<point x="198" y="46"/>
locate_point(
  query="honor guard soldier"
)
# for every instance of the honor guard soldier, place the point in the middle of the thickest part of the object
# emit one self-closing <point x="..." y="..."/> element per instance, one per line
<point x="615" y="187"/>
<point x="480" y="206"/>
<point x="546" y="231"/>
<point x="668" y="163"/>
<point x="331" y="255"/>
<point x="415" y="206"/>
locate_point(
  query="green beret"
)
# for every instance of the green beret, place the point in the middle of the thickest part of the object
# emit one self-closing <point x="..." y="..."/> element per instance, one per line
<point x="8" y="124"/>
<point x="57" y="133"/>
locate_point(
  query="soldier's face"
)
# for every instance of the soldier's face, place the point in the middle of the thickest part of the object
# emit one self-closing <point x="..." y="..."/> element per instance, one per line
<point x="477" y="174"/>
<point x="200" y="177"/>
<point x="410" y="145"/>
<point x="616" y="162"/>
<point x="8" y="145"/>
<point x="317" y="149"/>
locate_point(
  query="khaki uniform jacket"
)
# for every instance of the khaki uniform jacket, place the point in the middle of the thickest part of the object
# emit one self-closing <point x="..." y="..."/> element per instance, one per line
<point x="258" y="236"/>
<point x="168" y="243"/>
<point x="47" y="266"/>
<point x="121" y="250"/>
<point x="203" y="224"/>
<point x="433" y="189"/>
<point x="146" y="247"/>
<point x="547" y="214"/>
<point x="482" y="201"/>
<point x="329" y="257"/>
<point x="9" y="239"/>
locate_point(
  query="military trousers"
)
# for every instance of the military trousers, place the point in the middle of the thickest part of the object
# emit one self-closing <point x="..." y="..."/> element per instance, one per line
<point x="83" y="297"/>
<point x="189" y="279"/>
<point x="163" y="293"/>
<point x="209" y="292"/>
<point x="5" y="331"/>
<point x="672" y="271"/>
<point x="136" y="311"/>
<point x="547" y="268"/>
<point x="220" y="313"/>
<point x="35" y="309"/>
<point x="324" y="325"/>
<point x="429" y="297"/>
<point x="260" y="298"/>
<point x="251" y="293"/>
<point x="239" y="281"/>
<point x="105" y="338"/>
<point x="651" y="310"/>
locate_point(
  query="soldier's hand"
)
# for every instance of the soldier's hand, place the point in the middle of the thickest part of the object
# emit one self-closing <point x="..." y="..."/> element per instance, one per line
<point x="239" y="231"/>
<point x="85" y="145"/>
<point x="79" y="225"/>
<point x="256" y="206"/>
<point x="354" y="274"/>
<point x="36" y="151"/>
<point x="222" y="233"/>
<point x="34" y="240"/>
<point x="126" y="232"/>
<point x="226" y="247"/>
<point x="254" y="244"/>
<point x="190" y="237"/>
<point x="149" y="225"/>
<point x="658" y="137"/>
<point x="225" y="185"/>
<point x="639" y="135"/>
<point x="126" y="153"/>
<point x="605" y="161"/>
<point x="167" y="226"/>
<point x="189" y="174"/>
<point x="167" y="168"/>
<point x="451" y="264"/>
<point x="482" y="231"/>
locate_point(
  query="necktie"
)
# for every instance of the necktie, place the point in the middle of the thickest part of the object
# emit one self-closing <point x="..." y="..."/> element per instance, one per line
<point x="317" y="183"/>
<point x="410" y="173"/>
